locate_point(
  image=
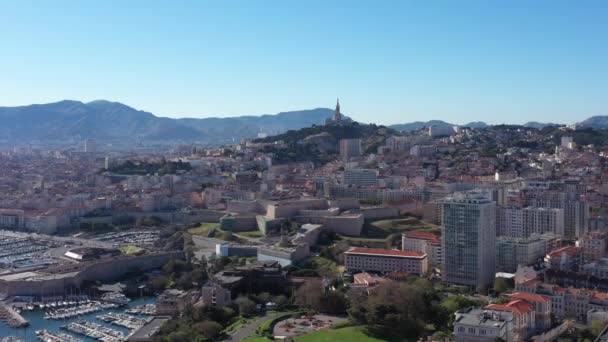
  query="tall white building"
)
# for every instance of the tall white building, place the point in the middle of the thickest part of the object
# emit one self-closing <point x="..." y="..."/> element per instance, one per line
<point x="523" y="222"/>
<point x="468" y="240"/>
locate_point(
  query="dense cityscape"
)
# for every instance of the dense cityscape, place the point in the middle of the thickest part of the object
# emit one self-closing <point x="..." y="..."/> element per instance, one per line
<point x="303" y="171"/>
<point x="437" y="233"/>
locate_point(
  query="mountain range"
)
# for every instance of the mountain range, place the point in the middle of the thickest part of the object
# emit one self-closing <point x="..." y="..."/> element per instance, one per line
<point x="112" y="121"/>
<point x="443" y="126"/>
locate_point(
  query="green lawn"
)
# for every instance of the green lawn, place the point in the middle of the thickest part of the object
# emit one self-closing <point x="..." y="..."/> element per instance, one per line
<point x="350" y="334"/>
<point x="383" y="228"/>
<point x="203" y="229"/>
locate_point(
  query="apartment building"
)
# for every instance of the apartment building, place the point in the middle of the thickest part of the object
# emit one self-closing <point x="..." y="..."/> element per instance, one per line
<point x="358" y="259"/>
<point x="360" y="177"/>
<point x="523" y="222"/>
<point x="514" y="251"/>
<point x="423" y="242"/>
<point x="468" y="240"/>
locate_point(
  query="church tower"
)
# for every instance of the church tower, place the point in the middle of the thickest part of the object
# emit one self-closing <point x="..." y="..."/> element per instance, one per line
<point x="337" y="114"/>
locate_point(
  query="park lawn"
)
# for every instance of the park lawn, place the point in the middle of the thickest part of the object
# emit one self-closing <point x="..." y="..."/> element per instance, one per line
<point x="203" y="229"/>
<point x="350" y="334"/>
<point x="384" y="228"/>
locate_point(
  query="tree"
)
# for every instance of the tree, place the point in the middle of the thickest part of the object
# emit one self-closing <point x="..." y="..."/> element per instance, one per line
<point x="210" y="329"/>
<point x="246" y="306"/>
<point x="398" y="309"/>
<point x="159" y="283"/>
<point x="309" y="295"/>
<point x="501" y="285"/>
<point x="280" y="300"/>
<point x="264" y="297"/>
<point x="333" y="302"/>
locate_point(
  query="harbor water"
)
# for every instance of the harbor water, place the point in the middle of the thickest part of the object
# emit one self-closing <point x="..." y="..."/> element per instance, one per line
<point x="37" y="322"/>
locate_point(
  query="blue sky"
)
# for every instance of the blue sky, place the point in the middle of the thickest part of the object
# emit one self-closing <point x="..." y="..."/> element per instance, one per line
<point x="388" y="61"/>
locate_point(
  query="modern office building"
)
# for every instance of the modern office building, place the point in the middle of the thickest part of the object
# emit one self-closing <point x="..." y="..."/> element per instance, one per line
<point x="468" y="240"/>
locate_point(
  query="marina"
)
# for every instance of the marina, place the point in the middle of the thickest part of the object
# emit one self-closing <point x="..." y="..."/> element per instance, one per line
<point x="47" y="336"/>
<point x="54" y="327"/>
<point x="96" y="331"/>
<point x="79" y="310"/>
<point x="123" y="320"/>
<point x="145" y="309"/>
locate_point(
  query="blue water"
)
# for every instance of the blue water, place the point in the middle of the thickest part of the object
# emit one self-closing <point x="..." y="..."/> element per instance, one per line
<point x="37" y="322"/>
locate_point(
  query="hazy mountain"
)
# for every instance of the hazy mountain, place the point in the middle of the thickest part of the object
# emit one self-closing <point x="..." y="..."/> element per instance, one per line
<point x="539" y="125"/>
<point x="111" y="121"/>
<point x="476" y="124"/>
<point x="413" y="126"/>
<point x="600" y="122"/>
<point x="441" y="125"/>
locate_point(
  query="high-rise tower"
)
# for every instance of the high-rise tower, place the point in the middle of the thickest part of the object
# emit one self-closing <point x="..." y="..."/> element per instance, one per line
<point x="468" y="240"/>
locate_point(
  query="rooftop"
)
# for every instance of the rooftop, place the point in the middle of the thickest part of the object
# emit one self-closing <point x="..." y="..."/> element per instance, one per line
<point x="385" y="252"/>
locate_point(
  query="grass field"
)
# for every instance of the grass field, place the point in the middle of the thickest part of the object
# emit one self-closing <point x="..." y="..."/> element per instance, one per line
<point x="350" y="334"/>
<point x="384" y="228"/>
<point x="203" y="229"/>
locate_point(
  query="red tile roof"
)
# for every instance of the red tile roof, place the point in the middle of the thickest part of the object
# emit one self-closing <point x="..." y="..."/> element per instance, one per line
<point x="530" y="297"/>
<point x="600" y="296"/>
<point x="385" y="252"/>
<point x="433" y="238"/>
<point x="518" y="307"/>
<point x="570" y="250"/>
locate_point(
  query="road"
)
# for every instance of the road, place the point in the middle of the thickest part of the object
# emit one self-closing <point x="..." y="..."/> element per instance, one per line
<point x="248" y="329"/>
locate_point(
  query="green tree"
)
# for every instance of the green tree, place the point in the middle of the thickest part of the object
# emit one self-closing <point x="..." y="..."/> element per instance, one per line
<point x="246" y="306"/>
<point x="210" y="329"/>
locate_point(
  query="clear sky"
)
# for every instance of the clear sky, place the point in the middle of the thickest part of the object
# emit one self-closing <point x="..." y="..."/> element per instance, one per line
<point x="388" y="61"/>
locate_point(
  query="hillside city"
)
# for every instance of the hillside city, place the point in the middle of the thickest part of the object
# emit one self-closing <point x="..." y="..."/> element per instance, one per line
<point x="341" y="230"/>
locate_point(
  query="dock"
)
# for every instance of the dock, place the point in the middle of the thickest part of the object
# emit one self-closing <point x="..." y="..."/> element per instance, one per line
<point x="96" y="331"/>
<point x="47" y="336"/>
<point x="123" y="320"/>
<point x="12" y="317"/>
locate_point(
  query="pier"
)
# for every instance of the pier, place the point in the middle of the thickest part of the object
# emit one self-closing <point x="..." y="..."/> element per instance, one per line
<point x="12" y="317"/>
<point x="47" y="336"/>
<point x="96" y="331"/>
